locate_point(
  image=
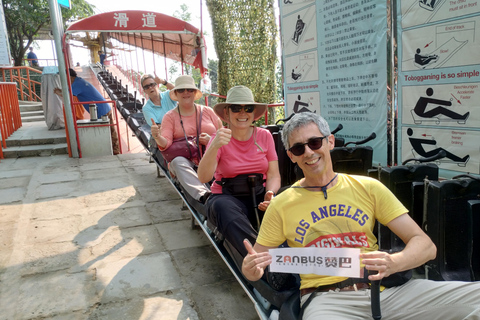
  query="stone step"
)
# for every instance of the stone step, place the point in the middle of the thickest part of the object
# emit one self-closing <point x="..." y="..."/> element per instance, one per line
<point x="35" y="151"/>
<point x="30" y="106"/>
<point x="35" y="132"/>
<point x="33" y="118"/>
<point x="35" y="141"/>
<point x="31" y="113"/>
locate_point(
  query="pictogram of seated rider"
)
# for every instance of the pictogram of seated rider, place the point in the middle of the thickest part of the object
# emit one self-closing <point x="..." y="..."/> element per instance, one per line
<point x="423" y="102"/>
<point x="424" y="59"/>
<point x="418" y="146"/>
<point x="299" y="103"/>
<point x="295" y="76"/>
<point x="429" y="3"/>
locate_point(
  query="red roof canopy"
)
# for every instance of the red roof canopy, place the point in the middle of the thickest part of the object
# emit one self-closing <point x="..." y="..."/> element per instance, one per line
<point x="153" y="31"/>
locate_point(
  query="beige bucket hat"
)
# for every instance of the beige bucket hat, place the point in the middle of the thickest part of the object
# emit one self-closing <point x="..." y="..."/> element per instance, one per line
<point x="186" y="82"/>
<point x="243" y="96"/>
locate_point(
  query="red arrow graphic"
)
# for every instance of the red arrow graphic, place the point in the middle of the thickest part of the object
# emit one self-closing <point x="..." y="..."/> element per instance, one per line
<point x="455" y="98"/>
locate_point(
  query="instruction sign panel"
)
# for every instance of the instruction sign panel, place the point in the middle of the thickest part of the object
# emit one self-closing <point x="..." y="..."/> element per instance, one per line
<point x="334" y="55"/>
<point x="439" y="82"/>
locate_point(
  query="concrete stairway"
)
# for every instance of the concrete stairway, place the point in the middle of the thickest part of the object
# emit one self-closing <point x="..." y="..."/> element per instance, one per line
<point x="34" y="139"/>
<point x="31" y="111"/>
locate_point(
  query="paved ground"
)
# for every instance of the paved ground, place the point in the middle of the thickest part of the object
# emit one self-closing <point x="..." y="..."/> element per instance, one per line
<point x="104" y="238"/>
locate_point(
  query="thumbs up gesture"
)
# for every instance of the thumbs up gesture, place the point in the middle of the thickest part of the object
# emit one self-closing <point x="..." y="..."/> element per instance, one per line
<point x="254" y="263"/>
<point x="155" y="128"/>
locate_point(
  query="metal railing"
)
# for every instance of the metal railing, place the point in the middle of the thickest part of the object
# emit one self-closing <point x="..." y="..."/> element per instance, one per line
<point x="40" y="62"/>
<point x="27" y="87"/>
<point x="10" y="120"/>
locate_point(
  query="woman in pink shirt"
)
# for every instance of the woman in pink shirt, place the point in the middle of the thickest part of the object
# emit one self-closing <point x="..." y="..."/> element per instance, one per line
<point x="181" y="121"/>
<point x="239" y="151"/>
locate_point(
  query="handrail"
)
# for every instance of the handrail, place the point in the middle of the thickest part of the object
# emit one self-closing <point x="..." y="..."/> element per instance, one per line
<point x="26" y="86"/>
<point x="49" y="62"/>
<point x="10" y="119"/>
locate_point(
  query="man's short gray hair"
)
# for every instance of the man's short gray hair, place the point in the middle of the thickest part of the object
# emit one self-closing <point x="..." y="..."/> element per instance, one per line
<point x="303" y="119"/>
<point x="145" y="77"/>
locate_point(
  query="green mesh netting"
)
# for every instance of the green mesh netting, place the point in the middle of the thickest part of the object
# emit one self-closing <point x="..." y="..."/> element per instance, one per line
<point x="245" y="41"/>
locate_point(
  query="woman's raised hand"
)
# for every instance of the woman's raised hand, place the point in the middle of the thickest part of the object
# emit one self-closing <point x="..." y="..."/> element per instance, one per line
<point x="222" y="137"/>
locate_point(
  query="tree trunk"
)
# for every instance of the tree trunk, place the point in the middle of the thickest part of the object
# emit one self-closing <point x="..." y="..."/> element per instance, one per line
<point x="18" y="61"/>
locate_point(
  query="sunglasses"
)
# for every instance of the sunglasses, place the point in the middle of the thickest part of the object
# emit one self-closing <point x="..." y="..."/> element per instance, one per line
<point x="237" y="108"/>
<point x="148" y="86"/>
<point x="313" y="143"/>
<point x="183" y="90"/>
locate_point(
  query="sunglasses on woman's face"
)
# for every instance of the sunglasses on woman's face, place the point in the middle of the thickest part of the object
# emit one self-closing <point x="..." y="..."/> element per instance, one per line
<point x="237" y="108"/>
<point x="183" y="90"/>
<point x="313" y="143"/>
<point x="148" y="86"/>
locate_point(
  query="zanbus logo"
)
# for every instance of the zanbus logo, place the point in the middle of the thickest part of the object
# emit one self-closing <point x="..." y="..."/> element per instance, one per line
<point x="329" y="262"/>
<point x="299" y="259"/>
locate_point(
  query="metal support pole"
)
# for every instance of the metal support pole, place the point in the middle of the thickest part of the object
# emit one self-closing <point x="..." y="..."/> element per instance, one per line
<point x="165" y="57"/>
<point x="181" y="51"/>
<point x="57" y="28"/>
<point x="131" y="61"/>
<point x="143" y="54"/>
<point x="393" y="78"/>
<point x="137" y="78"/>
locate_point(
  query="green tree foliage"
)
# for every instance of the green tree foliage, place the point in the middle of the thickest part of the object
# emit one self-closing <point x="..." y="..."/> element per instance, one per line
<point x="245" y="35"/>
<point x="279" y="112"/>
<point x="186" y="16"/>
<point x="24" y="19"/>
<point x="213" y="75"/>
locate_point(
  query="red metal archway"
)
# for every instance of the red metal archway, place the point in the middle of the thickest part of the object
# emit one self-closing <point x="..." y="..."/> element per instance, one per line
<point x="155" y="32"/>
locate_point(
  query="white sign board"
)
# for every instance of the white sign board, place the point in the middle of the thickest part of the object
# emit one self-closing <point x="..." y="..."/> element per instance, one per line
<point x="341" y="262"/>
<point x="5" y="59"/>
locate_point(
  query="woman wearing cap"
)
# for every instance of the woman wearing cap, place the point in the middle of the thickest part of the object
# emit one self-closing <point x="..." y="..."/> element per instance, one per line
<point x="237" y="151"/>
<point x="181" y="121"/>
<point x="158" y="103"/>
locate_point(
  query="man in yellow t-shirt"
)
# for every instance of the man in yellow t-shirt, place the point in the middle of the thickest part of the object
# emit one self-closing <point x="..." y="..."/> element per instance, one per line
<point x="326" y="209"/>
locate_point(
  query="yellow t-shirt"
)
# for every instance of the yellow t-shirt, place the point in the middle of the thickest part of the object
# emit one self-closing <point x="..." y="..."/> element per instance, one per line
<point x="345" y="219"/>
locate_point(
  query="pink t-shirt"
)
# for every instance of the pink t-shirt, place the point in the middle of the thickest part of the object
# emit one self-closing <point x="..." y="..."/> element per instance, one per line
<point x="171" y="128"/>
<point x="242" y="157"/>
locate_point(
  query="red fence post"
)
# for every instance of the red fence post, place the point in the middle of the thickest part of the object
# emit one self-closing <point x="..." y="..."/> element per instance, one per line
<point x="10" y="119"/>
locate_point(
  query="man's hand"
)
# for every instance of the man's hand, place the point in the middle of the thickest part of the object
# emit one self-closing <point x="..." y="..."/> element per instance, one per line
<point x="254" y="263"/>
<point x="380" y="261"/>
<point x="158" y="80"/>
<point x="58" y="92"/>
<point x="268" y="197"/>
